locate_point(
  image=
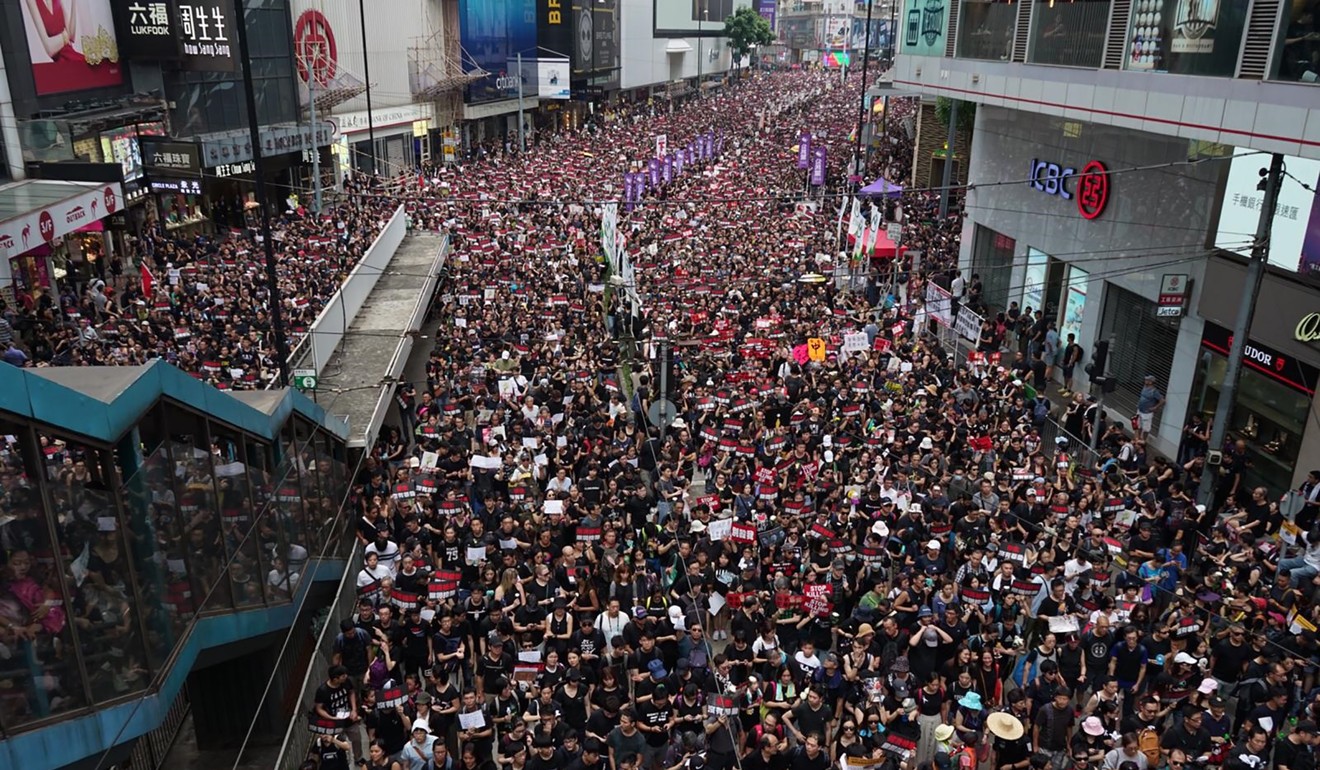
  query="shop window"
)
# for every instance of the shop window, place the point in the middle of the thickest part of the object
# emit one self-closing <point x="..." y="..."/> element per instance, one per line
<point x="992" y="262"/>
<point x="40" y="676"/>
<point x="1069" y="32"/>
<point x="95" y="558"/>
<point x="1186" y="38"/>
<point x="1140" y="344"/>
<point x="1271" y="411"/>
<point x="985" y="29"/>
<point x="1299" y="49"/>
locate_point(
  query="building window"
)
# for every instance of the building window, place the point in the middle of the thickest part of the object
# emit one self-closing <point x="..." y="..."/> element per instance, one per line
<point x="1140" y="344"/>
<point x="1186" y="38"/>
<point x="985" y="29"/>
<point x="992" y="261"/>
<point x="1069" y="33"/>
<point x="1299" y="49"/>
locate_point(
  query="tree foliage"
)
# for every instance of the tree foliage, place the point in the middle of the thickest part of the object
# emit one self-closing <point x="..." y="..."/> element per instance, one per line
<point x="966" y="113"/>
<point x="747" y="28"/>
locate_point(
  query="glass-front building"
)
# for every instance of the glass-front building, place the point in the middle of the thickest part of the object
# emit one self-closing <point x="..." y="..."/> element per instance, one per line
<point x="111" y="545"/>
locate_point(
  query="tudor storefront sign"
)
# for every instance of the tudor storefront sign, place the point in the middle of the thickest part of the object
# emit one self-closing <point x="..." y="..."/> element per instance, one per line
<point x="1089" y="188"/>
<point x="1280" y="367"/>
<point x="33" y="228"/>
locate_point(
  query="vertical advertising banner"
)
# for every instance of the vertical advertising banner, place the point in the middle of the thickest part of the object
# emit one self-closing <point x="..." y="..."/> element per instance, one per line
<point x="767" y="10"/>
<point x="924" y="27"/>
<point x="818" y="166"/>
<point x="554" y="29"/>
<point x="493" y="32"/>
<point x="595" y="50"/>
<point x="804" y="149"/>
<point x="71" y="44"/>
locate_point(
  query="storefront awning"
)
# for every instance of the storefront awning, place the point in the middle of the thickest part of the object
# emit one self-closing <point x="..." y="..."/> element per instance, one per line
<point x="677" y="45"/>
<point x="38" y="211"/>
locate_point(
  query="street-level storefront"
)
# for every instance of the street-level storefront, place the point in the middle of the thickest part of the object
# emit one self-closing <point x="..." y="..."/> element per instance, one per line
<point x="52" y="234"/>
<point x="1089" y="244"/>
<point x="402" y="137"/>
<point x="1276" y="415"/>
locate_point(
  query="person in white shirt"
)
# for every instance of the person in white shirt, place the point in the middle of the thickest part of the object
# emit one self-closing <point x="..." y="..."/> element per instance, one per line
<point x="372" y="570"/>
<point x="386" y="550"/>
<point x="561" y="483"/>
<point x="611" y="623"/>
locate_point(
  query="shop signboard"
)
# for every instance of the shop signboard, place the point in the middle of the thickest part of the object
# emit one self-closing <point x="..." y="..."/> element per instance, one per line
<point x="767" y="9"/>
<point x="1295" y="234"/>
<point x="1278" y="366"/>
<point x="234" y="147"/>
<point x="494" y="31"/>
<point x="1186" y="38"/>
<point x="168" y="157"/>
<point x="207" y="35"/>
<point x="147" y="29"/>
<point x="180" y="186"/>
<point x="924" y="27"/>
<point x="1090" y="188"/>
<point x="677" y="18"/>
<point x="29" y="230"/>
<point x="73" y="50"/>
<point x="1173" y="295"/>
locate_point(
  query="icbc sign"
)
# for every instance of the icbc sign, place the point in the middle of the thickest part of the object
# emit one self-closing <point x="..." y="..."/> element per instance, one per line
<point x="314" y="47"/>
<point x="1090" y="190"/>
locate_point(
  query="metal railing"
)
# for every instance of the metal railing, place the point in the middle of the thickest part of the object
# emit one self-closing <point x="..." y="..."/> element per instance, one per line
<point x="152" y="749"/>
<point x="298" y="738"/>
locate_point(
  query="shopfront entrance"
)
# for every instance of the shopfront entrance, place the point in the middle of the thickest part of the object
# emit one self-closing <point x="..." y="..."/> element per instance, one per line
<point x="52" y="236"/>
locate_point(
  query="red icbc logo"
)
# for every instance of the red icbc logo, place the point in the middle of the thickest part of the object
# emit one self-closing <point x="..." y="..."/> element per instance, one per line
<point x="1092" y="190"/>
<point x="315" y="48"/>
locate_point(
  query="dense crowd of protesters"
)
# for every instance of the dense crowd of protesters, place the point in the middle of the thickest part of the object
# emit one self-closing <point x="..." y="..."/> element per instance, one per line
<point x="200" y="302"/>
<point x="863" y="555"/>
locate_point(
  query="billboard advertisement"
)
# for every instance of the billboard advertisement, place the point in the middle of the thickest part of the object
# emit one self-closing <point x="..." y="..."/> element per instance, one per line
<point x="546" y="77"/>
<point x="1187" y="37"/>
<point x="683" y="17"/>
<point x="767" y="9"/>
<point x="72" y="45"/>
<point x="924" y="27"/>
<point x="595" y="51"/>
<point x="1295" y="237"/>
<point x="494" y="32"/>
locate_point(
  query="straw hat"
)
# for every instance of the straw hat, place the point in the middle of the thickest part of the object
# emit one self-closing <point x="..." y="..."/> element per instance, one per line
<point x="1003" y="725"/>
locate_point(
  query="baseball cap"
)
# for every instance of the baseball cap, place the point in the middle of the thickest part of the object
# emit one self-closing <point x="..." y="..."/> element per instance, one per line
<point x="1208" y="685"/>
<point x="1183" y="657"/>
<point x="933" y="545"/>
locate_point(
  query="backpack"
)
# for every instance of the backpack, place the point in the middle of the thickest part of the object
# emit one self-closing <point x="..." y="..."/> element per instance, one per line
<point x="1148" y="743"/>
<point x="1040" y="410"/>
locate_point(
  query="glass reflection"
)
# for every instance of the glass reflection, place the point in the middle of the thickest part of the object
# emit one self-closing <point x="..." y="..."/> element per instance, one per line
<point x="39" y="674"/>
<point x="96" y="572"/>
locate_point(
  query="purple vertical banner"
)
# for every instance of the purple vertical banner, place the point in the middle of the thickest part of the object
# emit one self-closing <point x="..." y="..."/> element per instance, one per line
<point x="693" y="157"/>
<point x="678" y="162"/>
<point x="669" y="167"/>
<point x="767" y="10"/>
<point x="710" y="144"/>
<point x="818" y="166"/>
<point x="628" y="190"/>
<point x="640" y="179"/>
<point x="719" y="145"/>
<point x="654" y="167"/>
<point x="804" y="149"/>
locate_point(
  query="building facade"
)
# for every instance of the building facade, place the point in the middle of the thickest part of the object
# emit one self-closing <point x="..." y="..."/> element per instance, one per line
<point x="1114" y="162"/>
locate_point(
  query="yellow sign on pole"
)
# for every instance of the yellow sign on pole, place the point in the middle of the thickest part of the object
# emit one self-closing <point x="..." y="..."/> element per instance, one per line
<point x="816" y="349"/>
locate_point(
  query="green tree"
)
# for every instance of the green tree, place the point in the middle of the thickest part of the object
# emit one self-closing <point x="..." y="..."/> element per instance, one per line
<point x="746" y="29"/>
